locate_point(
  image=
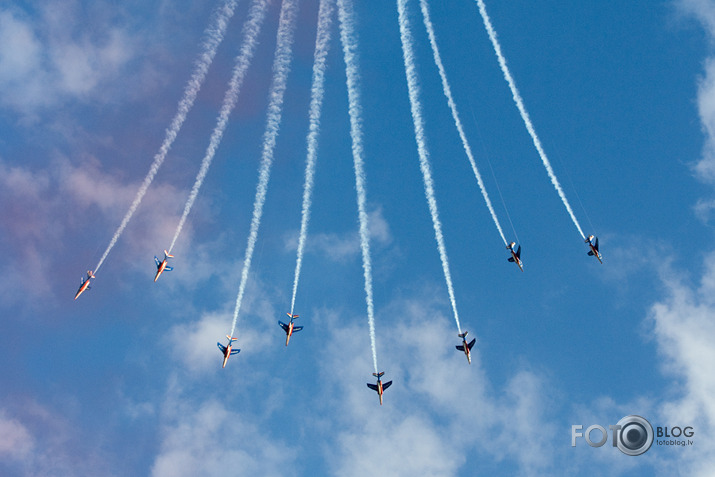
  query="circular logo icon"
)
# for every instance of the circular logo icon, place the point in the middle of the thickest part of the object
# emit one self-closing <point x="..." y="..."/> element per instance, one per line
<point x="635" y="435"/>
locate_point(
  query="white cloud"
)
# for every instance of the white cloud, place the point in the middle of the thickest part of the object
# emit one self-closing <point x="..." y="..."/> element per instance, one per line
<point x="685" y="331"/>
<point x="439" y="410"/>
<point x="209" y="439"/>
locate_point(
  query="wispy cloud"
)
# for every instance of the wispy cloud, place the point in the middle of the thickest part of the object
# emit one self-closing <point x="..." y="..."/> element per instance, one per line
<point x="210" y="439"/>
<point x="43" y="64"/>
<point x="36" y="441"/>
<point x="346" y="246"/>
<point x="704" y="12"/>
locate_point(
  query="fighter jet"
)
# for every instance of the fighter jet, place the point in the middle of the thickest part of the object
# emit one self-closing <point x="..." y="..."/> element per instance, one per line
<point x="84" y="283"/>
<point x="515" y="256"/>
<point x="466" y="347"/>
<point x="162" y="266"/>
<point x="592" y="242"/>
<point x="290" y="327"/>
<point x="227" y="351"/>
<point x="379" y="387"/>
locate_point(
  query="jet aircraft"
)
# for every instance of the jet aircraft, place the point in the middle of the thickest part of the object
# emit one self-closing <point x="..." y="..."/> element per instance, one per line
<point x="515" y="256"/>
<point x="467" y="348"/>
<point x="290" y="327"/>
<point x="227" y="351"/>
<point x="162" y="266"/>
<point x="592" y="242"/>
<point x="84" y="284"/>
<point x="379" y="387"/>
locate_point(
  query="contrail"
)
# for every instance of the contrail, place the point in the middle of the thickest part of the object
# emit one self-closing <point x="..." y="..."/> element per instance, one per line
<point x="281" y="68"/>
<point x="322" y="44"/>
<point x="524" y="114"/>
<point x="414" y="93"/>
<point x="251" y="29"/>
<point x="455" y="114"/>
<point x="212" y="39"/>
<point x="348" y="38"/>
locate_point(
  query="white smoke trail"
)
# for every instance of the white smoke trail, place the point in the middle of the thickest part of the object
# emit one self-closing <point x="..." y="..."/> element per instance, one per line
<point x="455" y="114"/>
<point x="322" y="43"/>
<point x="414" y="93"/>
<point x="213" y="35"/>
<point x="524" y="114"/>
<point x="281" y="68"/>
<point x="349" y="41"/>
<point x="251" y="29"/>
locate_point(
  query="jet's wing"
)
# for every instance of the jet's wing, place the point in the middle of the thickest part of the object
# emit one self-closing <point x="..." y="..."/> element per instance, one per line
<point x="590" y="253"/>
<point x="221" y="347"/>
<point x="235" y="351"/>
<point x="386" y="385"/>
<point x="297" y="328"/>
<point x="471" y="343"/>
<point x="156" y="259"/>
<point x="596" y="245"/>
<point x="168" y="268"/>
<point x="373" y="386"/>
<point x="460" y="347"/>
<point x="518" y="252"/>
<point x="283" y="325"/>
<point x="510" y="259"/>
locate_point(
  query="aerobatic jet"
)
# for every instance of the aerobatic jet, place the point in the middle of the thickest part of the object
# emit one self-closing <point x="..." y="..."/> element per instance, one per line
<point x="515" y="256"/>
<point x="592" y="242"/>
<point x="162" y="266"/>
<point x="84" y="283"/>
<point x="227" y="351"/>
<point x="379" y="387"/>
<point x="290" y="327"/>
<point x="466" y="348"/>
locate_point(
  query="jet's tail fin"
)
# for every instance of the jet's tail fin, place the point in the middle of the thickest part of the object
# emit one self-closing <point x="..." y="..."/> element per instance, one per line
<point x="463" y="335"/>
<point x="292" y="317"/>
<point x="232" y="339"/>
<point x="90" y="274"/>
<point x="378" y="375"/>
<point x="168" y="255"/>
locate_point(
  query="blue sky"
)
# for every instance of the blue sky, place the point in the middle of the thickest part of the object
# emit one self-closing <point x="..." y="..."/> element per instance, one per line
<point x="128" y="378"/>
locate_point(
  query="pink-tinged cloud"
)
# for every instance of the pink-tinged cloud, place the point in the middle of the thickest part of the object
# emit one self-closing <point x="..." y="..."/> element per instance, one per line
<point x="16" y="443"/>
